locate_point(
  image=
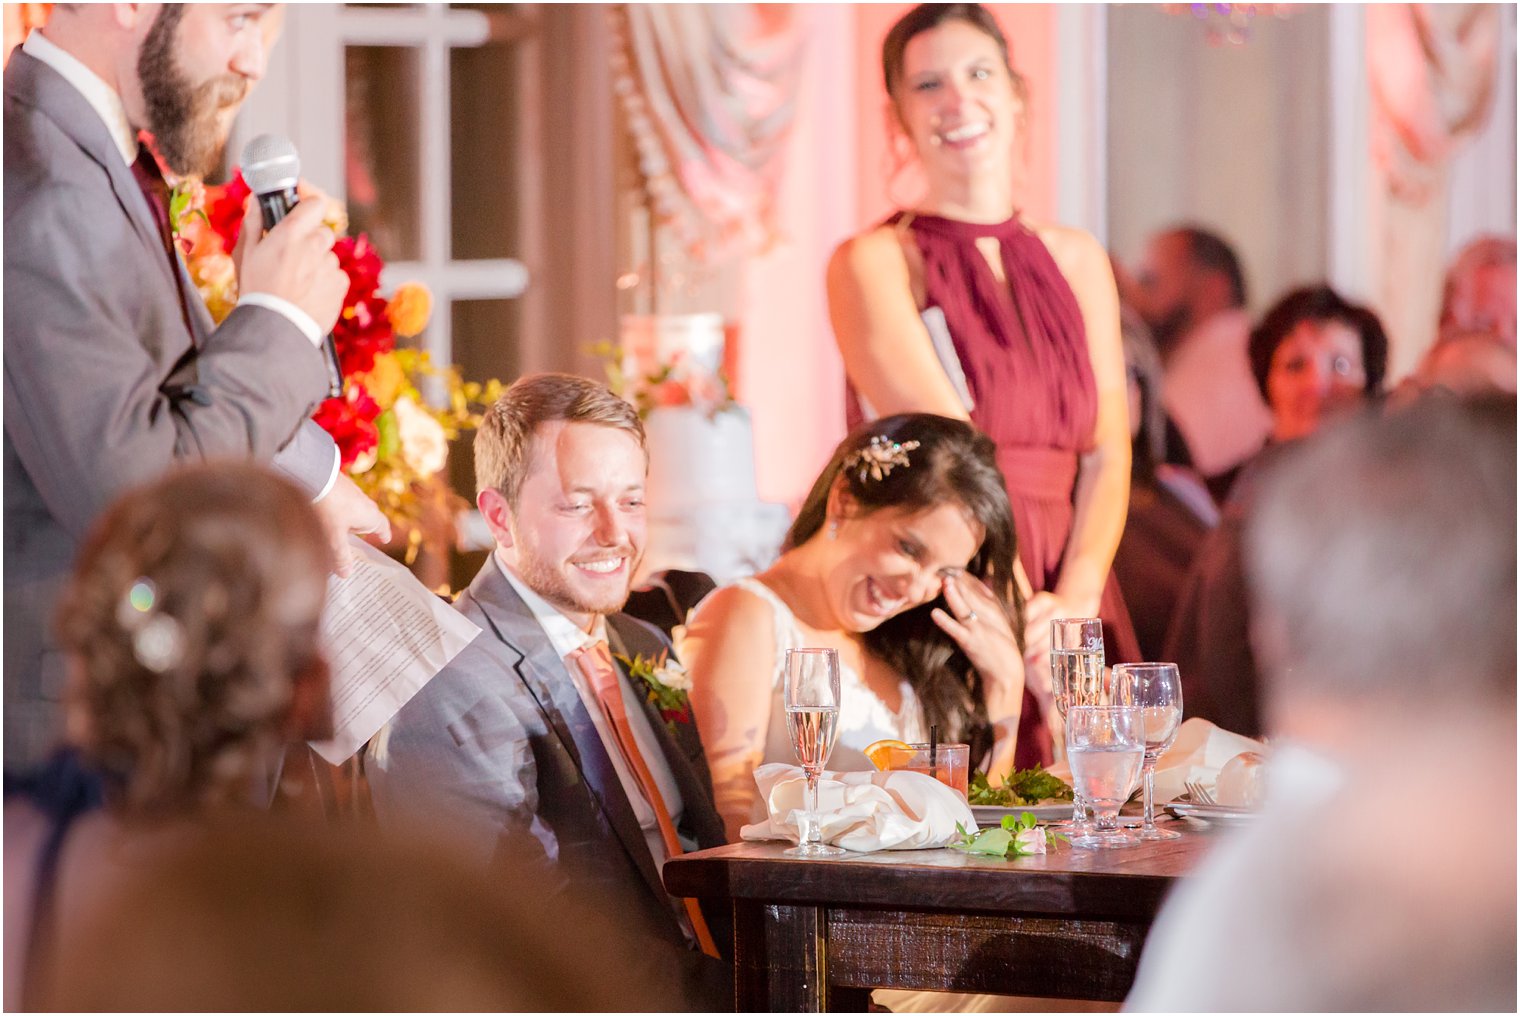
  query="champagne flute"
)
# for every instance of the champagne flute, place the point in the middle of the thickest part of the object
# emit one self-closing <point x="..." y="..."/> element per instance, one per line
<point x="812" y="718"/>
<point x="1076" y="679"/>
<point x="1157" y="689"/>
<point x="1106" y="746"/>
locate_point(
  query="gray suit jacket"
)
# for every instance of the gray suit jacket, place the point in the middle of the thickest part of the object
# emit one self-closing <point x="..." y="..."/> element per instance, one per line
<point x="106" y="383"/>
<point x="500" y="747"/>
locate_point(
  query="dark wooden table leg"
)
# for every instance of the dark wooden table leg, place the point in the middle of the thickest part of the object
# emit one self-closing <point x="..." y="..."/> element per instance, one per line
<point x="781" y="961"/>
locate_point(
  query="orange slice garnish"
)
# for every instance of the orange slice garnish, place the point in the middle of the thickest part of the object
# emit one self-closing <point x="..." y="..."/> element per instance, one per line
<point x="880" y="751"/>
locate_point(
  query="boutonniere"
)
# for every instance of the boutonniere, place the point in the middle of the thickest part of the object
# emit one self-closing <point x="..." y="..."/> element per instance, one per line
<point x="666" y="685"/>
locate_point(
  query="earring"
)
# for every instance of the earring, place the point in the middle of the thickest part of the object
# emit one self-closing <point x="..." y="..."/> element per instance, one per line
<point x="833" y="528"/>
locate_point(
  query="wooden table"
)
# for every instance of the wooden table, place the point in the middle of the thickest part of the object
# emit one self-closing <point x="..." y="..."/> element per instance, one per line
<point x="818" y="935"/>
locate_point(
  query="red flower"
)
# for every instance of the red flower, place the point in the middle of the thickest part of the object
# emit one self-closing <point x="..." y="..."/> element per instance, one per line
<point x="358" y="259"/>
<point x="224" y="207"/>
<point x="351" y="422"/>
<point x="681" y="715"/>
<point x="362" y="330"/>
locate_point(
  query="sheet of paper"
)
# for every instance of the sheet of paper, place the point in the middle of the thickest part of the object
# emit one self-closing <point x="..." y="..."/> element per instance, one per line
<point x="385" y="635"/>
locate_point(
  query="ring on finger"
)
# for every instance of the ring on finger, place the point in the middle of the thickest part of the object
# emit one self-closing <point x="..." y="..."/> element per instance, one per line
<point x="970" y="618"/>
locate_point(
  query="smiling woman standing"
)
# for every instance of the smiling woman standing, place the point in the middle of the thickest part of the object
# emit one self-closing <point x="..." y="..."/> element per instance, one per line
<point x="963" y="307"/>
<point x="899" y="559"/>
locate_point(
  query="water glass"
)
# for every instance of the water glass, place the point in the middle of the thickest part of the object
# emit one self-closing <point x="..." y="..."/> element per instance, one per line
<point x="811" y="692"/>
<point x="1106" y="748"/>
<point x="1157" y="689"/>
<point x="1076" y="678"/>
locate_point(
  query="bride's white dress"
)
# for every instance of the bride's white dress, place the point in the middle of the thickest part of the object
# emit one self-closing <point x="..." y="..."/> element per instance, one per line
<point x="863" y="718"/>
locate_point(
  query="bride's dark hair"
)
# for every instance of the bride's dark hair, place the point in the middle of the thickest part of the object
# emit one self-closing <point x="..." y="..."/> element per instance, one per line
<point x="954" y="463"/>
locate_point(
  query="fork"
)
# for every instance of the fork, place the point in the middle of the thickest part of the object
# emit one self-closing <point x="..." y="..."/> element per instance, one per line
<point x="1198" y="793"/>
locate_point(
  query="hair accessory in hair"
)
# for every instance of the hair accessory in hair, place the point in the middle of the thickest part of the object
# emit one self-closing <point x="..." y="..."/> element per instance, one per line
<point x="157" y="640"/>
<point x="880" y="457"/>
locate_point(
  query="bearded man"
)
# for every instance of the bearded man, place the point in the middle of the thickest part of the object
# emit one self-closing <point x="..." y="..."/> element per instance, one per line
<point x="114" y="370"/>
<point x="538" y="745"/>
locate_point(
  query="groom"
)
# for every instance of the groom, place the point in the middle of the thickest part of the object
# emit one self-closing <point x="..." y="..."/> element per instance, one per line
<point x="536" y="744"/>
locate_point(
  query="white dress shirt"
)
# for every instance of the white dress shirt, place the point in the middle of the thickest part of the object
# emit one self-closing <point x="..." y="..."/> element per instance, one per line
<point x="567" y="637"/>
<point x="105" y="101"/>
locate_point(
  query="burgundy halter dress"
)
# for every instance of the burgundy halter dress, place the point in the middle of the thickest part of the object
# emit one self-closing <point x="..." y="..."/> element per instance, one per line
<point x="1023" y="349"/>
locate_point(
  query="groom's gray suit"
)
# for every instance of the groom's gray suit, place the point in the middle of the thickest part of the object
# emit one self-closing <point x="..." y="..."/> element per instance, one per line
<point x="110" y="376"/>
<point x="500" y="747"/>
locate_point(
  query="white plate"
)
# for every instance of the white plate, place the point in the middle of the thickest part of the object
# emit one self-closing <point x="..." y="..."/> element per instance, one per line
<point x="1222" y="814"/>
<point x="989" y="815"/>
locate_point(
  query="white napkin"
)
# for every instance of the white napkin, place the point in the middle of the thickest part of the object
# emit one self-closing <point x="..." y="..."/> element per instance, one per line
<point x="1200" y="751"/>
<point x="861" y="811"/>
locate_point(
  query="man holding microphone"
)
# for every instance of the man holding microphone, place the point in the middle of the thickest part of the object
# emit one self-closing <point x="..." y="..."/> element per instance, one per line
<point x="114" y="370"/>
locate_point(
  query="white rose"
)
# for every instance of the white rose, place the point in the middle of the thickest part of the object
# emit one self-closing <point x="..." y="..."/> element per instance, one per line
<point x="673" y="675"/>
<point x="423" y="444"/>
<point x="1031" y="841"/>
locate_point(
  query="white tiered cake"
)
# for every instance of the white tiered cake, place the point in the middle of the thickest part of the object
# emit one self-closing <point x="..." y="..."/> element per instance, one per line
<point x="704" y="511"/>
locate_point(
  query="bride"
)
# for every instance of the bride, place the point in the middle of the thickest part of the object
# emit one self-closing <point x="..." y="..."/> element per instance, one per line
<point x="901" y="558"/>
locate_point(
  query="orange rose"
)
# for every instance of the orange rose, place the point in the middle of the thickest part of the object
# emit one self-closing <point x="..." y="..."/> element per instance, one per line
<point x="410" y="309"/>
<point x="386" y="380"/>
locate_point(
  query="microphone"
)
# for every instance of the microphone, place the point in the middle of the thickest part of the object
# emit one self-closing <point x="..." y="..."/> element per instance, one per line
<point x="271" y="168"/>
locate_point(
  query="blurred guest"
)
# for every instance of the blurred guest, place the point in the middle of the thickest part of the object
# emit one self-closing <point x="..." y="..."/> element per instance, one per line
<point x="1316" y="357"/>
<point x="1192" y="293"/>
<point x="966" y="307"/>
<point x="1479" y="295"/>
<point x="1467" y="363"/>
<point x="539" y="744"/>
<point x="191" y="632"/>
<point x="1380" y="875"/>
<point x="1170" y="509"/>
<point x="900" y="559"/>
<point x="274" y="917"/>
<point x="114" y="370"/>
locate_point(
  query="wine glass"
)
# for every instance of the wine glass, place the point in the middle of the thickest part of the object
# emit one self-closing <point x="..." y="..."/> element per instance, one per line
<point x="812" y="719"/>
<point x="1157" y="689"/>
<point x="1106" y="748"/>
<point x="1076" y="679"/>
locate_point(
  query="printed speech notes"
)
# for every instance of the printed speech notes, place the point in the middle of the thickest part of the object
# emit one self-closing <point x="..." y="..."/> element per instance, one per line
<point x="385" y="635"/>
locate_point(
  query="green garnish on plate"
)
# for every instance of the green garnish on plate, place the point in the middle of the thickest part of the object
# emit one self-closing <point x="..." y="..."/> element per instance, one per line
<point x="1022" y="788"/>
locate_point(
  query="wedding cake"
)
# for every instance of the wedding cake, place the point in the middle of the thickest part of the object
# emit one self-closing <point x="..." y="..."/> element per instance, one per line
<point x="705" y="513"/>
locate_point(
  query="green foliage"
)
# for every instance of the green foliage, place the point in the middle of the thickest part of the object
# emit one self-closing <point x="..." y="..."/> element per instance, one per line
<point x="1021" y="787"/>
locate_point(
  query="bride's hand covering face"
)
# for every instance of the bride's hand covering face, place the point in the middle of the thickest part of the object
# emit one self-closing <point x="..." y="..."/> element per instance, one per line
<point x="883" y="563"/>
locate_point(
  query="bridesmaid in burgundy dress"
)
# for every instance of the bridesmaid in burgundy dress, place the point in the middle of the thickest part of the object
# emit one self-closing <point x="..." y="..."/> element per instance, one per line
<point x="963" y="307"/>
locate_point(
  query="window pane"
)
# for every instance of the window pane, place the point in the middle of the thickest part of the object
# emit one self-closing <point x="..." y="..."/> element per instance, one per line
<point x="382" y="161"/>
<point x="486" y="156"/>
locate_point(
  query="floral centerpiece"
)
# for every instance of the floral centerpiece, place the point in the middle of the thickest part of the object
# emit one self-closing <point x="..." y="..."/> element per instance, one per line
<point x="393" y="442"/>
<point x="680" y="380"/>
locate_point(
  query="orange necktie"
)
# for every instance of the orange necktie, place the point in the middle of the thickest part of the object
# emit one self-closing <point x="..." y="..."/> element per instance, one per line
<point x="595" y="662"/>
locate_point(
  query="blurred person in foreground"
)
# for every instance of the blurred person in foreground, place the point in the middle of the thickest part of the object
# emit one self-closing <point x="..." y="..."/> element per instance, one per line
<point x="191" y="633"/>
<point x="539" y="744"/>
<point x="1380" y="874"/>
<point x="278" y="916"/>
<point x="114" y="370"/>
<point x="1317" y="360"/>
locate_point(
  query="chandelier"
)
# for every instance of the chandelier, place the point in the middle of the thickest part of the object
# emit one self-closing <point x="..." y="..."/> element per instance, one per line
<point x="1228" y="24"/>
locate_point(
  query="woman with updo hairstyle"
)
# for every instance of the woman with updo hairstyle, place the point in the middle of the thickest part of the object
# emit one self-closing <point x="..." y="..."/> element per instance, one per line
<point x="963" y="305"/>
<point x="191" y="631"/>
<point x="901" y="558"/>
